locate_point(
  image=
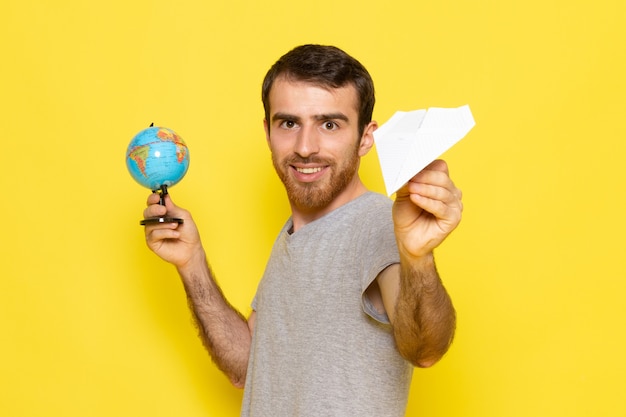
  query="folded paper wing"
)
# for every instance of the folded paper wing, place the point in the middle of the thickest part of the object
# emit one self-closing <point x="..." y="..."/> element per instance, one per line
<point x="409" y="141"/>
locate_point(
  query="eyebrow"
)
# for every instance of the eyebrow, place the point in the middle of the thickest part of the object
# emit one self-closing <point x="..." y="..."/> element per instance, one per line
<point x="332" y="116"/>
<point x="284" y="116"/>
<point x="318" y="117"/>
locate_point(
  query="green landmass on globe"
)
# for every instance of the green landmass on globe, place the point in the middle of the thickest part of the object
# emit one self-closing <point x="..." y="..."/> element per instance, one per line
<point x="157" y="156"/>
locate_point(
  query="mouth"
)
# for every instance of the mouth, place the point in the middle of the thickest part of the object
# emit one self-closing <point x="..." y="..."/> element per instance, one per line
<point x="308" y="170"/>
<point x="308" y="174"/>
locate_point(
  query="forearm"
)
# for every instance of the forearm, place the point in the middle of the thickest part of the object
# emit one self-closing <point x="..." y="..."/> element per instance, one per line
<point x="223" y="330"/>
<point x="424" y="319"/>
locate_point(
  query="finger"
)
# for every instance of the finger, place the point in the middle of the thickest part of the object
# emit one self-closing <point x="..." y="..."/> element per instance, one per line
<point x="446" y="181"/>
<point x="435" y="199"/>
<point x="153" y="198"/>
<point x="434" y="178"/>
<point x="169" y="204"/>
<point x="162" y="231"/>
<point x="431" y="175"/>
<point x="403" y="192"/>
<point x="438" y="182"/>
<point x="175" y="211"/>
<point x="436" y="172"/>
<point x="438" y="165"/>
<point x="449" y="213"/>
<point x="434" y="192"/>
<point x="154" y="210"/>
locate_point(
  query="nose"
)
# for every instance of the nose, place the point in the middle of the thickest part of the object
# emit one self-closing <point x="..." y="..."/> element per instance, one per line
<point x="307" y="142"/>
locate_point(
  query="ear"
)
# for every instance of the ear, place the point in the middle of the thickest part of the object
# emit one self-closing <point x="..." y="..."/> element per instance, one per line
<point x="367" y="140"/>
<point x="266" y="127"/>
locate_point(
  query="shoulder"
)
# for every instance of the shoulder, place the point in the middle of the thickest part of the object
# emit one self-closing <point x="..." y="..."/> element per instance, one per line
<point x="375" y="223"/>
<point x="377" y="211"/>
<point x="374" y="204"/>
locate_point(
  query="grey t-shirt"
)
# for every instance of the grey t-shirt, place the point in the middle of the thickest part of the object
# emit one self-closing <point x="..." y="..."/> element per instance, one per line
<point x="318" y="348"/>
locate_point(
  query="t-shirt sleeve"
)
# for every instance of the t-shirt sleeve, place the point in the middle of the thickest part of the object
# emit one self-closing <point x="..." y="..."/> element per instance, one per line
<point x="379" y="250"/>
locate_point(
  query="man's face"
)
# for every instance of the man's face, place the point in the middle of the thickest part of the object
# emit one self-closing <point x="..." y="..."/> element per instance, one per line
<point x="313" y="136"/>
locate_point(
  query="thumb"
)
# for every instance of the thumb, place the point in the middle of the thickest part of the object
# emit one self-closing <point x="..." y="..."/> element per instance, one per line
<point x="169" y="205"/>
<point x="175" y="211"/>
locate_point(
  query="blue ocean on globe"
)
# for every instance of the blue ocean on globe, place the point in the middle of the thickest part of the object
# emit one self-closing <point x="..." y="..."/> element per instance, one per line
<point x="157" y="156"/>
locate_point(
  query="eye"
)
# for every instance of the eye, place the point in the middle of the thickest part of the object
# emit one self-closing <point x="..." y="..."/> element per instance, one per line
<point x="330" y="125"/>
<point x="288" y="124"/>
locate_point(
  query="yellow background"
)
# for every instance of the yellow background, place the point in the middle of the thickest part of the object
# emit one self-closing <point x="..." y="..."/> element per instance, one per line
<point x="93" y="324"/>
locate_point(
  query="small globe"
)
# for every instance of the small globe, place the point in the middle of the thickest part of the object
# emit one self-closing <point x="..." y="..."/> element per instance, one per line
<point x="157" y="156"/>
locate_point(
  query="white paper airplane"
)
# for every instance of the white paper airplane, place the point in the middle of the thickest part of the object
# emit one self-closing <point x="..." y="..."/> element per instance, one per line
<point x="409" y="141"/>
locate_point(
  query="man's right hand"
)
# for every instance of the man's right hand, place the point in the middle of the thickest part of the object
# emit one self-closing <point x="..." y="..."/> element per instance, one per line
<point x="175" y="243"/>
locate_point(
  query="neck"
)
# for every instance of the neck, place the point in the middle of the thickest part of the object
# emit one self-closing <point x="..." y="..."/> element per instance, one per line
<point x="301" y="216"/>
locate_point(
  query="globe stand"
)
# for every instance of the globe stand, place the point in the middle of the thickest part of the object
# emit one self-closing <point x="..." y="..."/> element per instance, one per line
<point x="156" y="220"/>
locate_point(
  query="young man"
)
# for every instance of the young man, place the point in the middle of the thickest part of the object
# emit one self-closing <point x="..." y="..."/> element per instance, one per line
<point x="350" y="299"/>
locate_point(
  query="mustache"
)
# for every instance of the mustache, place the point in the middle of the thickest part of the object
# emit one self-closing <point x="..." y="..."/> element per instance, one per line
<point x="296" y="159"/>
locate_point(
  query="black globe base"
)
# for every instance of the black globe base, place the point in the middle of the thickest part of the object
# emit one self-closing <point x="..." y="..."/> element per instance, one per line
<point x="157" y="220"/>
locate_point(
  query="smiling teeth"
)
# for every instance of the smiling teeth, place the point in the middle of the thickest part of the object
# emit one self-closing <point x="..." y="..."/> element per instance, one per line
<point x="308" y="170"/>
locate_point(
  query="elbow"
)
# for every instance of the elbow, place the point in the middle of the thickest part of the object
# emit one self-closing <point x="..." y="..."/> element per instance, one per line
<point x="426" y="363"/>
<point x="237" y="382"/>
<point x="425" y="352"/>
<point x="237" y="378"/>
<point x="421" y="360"/>
<point x="422" y="356"/>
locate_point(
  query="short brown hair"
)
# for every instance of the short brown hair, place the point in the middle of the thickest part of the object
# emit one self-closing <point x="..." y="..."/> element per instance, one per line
<point x="327" y="67"/>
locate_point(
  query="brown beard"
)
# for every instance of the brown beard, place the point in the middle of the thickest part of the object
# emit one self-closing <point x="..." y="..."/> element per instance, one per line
<point x="315" y="196"/>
